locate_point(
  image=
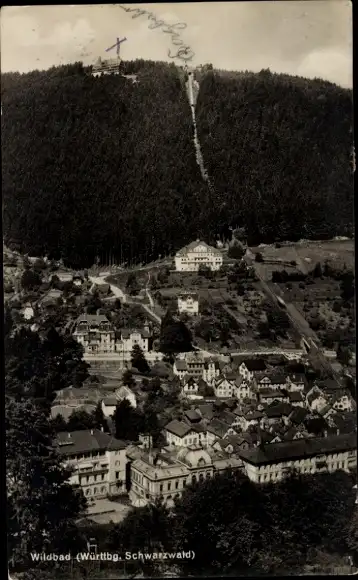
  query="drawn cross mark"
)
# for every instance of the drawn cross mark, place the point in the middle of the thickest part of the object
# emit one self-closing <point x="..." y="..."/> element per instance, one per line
<point x="117" y="45"/>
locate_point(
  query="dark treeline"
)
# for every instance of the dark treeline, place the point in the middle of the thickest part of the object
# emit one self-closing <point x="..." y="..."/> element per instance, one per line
<point x="278" y="149"/>
<point x="106" y="167"/>
<point x="99" y="165"/>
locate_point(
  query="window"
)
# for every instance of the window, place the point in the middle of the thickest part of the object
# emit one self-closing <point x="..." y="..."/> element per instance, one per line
<point x="117" y="474"/>
<point x="95" y="491"/>
<point x="88" y="491"/>
<point x="169" y="485"/>
<point x="103" y="489"/>
<point x="176" y="484"/>
<point x="161" y="487"/>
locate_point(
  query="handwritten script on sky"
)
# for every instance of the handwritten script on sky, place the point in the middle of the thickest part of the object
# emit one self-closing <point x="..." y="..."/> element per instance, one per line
<point x="184" y="51"/>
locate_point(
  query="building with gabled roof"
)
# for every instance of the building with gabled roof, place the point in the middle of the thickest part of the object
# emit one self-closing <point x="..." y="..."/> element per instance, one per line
<point x="188" y="302"/>
<point x="195" y="254"/>
<point x="98" y="461"/>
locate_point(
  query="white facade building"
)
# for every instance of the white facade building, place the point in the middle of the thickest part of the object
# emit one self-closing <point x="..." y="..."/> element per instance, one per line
<point x="315" y="455"/>
<point x="97" y="336"/>
<point x="99" y="462"/>
<point x="189" y="258"/>
<point x="125" y="392"/>
<point x="188" y="303"/>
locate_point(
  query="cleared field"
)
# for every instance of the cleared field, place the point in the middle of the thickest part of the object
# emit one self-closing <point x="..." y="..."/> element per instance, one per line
<point x="305" y="255"/>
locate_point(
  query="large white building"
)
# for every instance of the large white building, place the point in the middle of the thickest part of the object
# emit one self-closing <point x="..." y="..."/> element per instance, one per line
<point x="167" y="473"/>
<point x="196" y="254"/>
<point x="98" y="459"/>
<point x="314" y="455"/>
<point x="97" y="336"/>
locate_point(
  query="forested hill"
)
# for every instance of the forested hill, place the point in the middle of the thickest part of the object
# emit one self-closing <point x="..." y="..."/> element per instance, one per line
<point x="278" y="150"/>
<point x="92" y="165"/>
<point x="99" y="165"/>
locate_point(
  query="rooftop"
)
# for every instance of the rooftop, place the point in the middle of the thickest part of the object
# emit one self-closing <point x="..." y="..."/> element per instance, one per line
<point x="300" y="448"/>
<point x="193" y="245"/>
<point x="78" y="442"/>
<point x="254" y="364"/>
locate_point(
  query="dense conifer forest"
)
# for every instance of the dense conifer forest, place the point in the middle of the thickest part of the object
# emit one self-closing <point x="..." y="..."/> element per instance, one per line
<point x="99" y="165"/>
<point x="278" y="150"/>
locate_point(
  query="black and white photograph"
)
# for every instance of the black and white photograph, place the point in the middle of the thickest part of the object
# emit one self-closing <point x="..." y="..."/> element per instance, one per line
<point x="179" y="290"/>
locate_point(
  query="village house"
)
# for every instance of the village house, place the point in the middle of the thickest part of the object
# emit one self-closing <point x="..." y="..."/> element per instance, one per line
<point x="296" y="382"/>
<point x="272" y="382"/>
<point x="313" y="455"/>
<point x="126" y="393"/>
<point x="316" y="399"/>
<point x="28" y="312"/>
<point x="196" y="365"/>
<point x="224" y="388"/>
<point x="196" y="254"/>
<point x="180" y="434"/>
<point x="244" y="389"/>
<point x="192" y="387"/>
<point x="342" y="401"/>
<point x="249" y="367"/>
<point x="188" y="303"/>
<point x="108" y="406"/>
<point x="269" y="396"/>
<point x="98" y="460"/>
<point x="296" y="398"/>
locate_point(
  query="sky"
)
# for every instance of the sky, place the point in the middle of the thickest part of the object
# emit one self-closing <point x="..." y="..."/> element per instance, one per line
<point x="311" y="38"/>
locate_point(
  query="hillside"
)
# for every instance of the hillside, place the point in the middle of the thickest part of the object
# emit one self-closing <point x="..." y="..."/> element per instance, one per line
<point x="277" y="149"/>
<point x="99" y="165"/>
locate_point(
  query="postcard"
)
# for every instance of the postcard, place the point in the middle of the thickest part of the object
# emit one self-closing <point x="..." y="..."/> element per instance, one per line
<point x="179" y="289"/>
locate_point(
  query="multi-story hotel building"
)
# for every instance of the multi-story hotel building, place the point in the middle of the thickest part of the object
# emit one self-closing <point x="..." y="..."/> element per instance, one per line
<point x="314" y="455"/>
<point x="98" y="460"/>
<point x="167" y="473"/>
<point x="196" y="254"/>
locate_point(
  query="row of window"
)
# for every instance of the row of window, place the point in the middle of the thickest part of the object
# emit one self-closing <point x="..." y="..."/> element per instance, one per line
<point x="87" y="455"/>
<point x="96" y="491"/>
<point x="92" y="478"/>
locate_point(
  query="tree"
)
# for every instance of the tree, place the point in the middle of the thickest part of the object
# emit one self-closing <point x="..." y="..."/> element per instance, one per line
<point x="117" y="304"/>
<point x="236" y="250"/>
<point x="80" y="420"/>
<point x="30" y="280"/>
<point x="132" y="284"/>
<point x="163" y="276"/>
<point x="42" y="506"/>
<point x="347" y="286"/>
<point x="127" y="378"/>
<point x="145" y="529"/>
<point x="59" y="424"/>
<point x="36" y="367"/>
<point x="138" y="360"/>
<point x="39" y="265"/>
<point x="205" y="271"/>
<point x="175" y="336"/>
<point x="317" y="271"/>
<point x="94" y="304"/>
<point x="128" y="422"/>
<point x="343" y="355"/>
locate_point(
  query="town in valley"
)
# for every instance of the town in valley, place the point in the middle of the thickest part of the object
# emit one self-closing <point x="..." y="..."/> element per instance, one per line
<point x="179" y="292"/>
